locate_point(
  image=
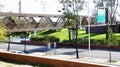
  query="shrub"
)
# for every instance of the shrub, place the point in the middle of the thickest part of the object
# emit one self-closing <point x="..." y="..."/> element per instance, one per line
<point x="46" y="38"/>
<point x="85" y="41"/>
<point x="97" y="42"/>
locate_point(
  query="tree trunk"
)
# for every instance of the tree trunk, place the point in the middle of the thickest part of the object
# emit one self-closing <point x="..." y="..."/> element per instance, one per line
<point x="8" y="43"/>
<point x="76" y="33"/>
<point x="69" y="34"/>
<point x="110" y="54"/>
<point x="106" y="21"/>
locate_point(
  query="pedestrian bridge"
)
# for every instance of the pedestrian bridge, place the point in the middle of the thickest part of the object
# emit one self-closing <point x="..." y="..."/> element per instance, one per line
<point x="18" y="22"/>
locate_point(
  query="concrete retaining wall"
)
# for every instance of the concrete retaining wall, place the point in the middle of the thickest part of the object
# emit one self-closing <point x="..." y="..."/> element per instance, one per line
<point x="48" y="61"/>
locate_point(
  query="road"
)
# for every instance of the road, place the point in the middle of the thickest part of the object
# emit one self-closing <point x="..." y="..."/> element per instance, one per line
<point x="64" y="51"/>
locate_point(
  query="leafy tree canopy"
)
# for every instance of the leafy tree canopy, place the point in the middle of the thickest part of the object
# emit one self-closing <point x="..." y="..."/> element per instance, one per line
<point x="111" y="41"/>
<point x="2" y="33"/>
<point x="70" y="11"/>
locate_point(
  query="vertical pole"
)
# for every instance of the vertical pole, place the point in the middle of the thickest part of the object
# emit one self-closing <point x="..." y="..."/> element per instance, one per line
<point x="25" y="43"/>
<point x="106" y="21"/>
<point x="69" y="34"/>
<point x="76" y="29"/>
<point x="8" y="43"/>
<point x="55" y="45"/>
<point x="89" y="48"/>
<point x="20" y="6"/>
<point x="76" y="42"/>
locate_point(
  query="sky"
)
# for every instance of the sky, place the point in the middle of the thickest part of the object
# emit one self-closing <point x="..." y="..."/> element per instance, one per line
<point x="35" y="6"/>
<point x="31" y="6"/>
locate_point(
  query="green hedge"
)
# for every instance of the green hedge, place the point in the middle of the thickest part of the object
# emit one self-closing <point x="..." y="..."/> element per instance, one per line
<point x="95" y="41"/>
<point x="49" y="38"/>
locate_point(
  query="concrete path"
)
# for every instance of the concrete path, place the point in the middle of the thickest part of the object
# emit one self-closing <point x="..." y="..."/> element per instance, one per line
<point x="94" y="56"/>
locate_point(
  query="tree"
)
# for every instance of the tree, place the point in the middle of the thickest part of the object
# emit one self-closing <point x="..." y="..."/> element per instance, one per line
<point x="113" y="4"/>
<point x="111" y="41"/>
<point x="70" y="15"/>
<point x="2" y="33"/>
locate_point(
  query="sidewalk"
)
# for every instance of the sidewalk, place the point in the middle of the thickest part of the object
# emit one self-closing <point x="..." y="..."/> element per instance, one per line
<point x="92" y="60"/>
<point x="64" y="54"/>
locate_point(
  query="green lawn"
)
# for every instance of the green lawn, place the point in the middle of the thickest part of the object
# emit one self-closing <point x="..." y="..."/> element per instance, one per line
<point x="63" y="34"/>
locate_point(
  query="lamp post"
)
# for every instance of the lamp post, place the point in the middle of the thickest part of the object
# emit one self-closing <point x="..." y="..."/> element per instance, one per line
<point x="19" y="6"/>
<point x="89" y="48"/>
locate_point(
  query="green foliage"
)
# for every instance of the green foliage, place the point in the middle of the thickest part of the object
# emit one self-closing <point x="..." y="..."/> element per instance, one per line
<point x="98" y="42"/>
<point x="111" y="41"/>
<point x="19" y="33"/>
<point x="85" y="41"/>
<point x="45" y="39"/>
<point x="70" y="12"/>
<point x="92" y="41"/>
<point x="42" y="65"/>
<point x="2" y="33"/>
<point x="98" y="39"/>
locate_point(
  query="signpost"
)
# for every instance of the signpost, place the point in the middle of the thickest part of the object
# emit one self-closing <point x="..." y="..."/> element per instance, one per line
<point x="101" y="16"/>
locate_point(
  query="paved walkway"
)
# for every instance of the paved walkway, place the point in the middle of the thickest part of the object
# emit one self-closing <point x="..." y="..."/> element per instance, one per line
<point x="66" y="54"/>
<point x="93" y="60"/>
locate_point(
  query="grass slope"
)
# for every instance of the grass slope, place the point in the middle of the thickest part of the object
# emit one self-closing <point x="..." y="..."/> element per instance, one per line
<point x="63" y="34"/>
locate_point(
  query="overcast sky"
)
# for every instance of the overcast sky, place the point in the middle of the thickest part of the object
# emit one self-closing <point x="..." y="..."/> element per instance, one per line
<point x="31" y="6"/>
<point x="34" y="6"/>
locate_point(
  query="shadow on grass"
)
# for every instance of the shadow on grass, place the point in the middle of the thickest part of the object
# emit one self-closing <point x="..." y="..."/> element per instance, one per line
<point x="48" y="32"/>
<point x="93" y="34"/>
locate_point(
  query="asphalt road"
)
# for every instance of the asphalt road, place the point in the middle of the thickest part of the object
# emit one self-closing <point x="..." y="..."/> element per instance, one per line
<point x="63" y="51"/>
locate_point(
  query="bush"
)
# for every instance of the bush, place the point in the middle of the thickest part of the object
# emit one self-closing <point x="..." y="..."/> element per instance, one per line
<point x="97" y="42"/>
<point x="85" y="41"/>
<point x="92" y="41"/>
<point x="67" y="41"/>
<point x="52" y="38"/>
<point x="46" y="38"/>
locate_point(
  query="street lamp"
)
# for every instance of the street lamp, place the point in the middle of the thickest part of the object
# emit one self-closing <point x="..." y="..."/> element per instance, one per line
<point x="19" y="6"/>
<point x="89" y="48"/>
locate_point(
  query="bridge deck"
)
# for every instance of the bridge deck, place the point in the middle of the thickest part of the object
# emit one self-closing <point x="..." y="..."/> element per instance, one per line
<point x="17" y="22"/>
